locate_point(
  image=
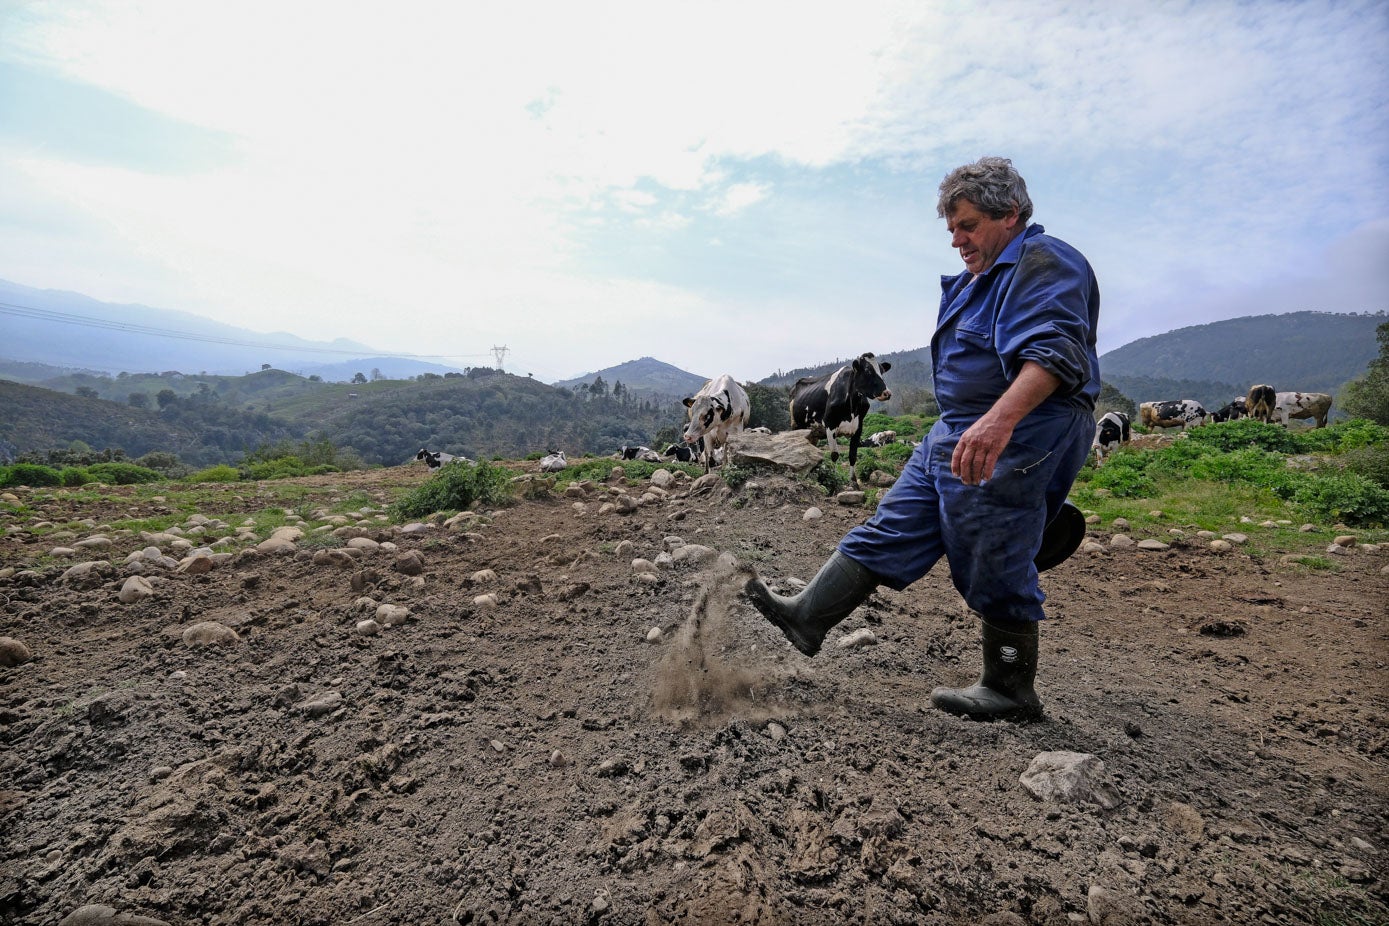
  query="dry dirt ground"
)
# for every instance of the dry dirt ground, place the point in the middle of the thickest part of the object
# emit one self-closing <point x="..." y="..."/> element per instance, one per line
<point x="543" y="761"/>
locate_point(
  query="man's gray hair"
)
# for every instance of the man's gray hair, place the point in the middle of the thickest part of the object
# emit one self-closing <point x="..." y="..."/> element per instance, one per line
<point x="991" y="184"/>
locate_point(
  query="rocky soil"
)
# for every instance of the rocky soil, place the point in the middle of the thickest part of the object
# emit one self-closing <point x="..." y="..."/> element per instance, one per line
<point x="562" y="712"/>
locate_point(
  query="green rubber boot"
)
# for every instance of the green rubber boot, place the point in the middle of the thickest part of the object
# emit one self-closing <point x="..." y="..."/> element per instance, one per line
<point x="1004" y="690"/>
<point x="840" y="586"/>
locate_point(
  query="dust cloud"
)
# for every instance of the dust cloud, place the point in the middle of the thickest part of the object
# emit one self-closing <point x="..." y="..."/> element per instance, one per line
<point x="697" y="684"/>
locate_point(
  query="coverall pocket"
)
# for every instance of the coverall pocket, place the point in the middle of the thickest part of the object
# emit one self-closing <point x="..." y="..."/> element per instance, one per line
<point x="1021" y="476"/>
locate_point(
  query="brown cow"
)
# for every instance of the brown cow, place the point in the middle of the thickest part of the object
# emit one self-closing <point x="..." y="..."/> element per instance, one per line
<point x="1260" y="403"/>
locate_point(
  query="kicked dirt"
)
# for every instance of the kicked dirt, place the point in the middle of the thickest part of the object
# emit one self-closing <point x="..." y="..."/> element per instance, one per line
<point x="545" y="757"/>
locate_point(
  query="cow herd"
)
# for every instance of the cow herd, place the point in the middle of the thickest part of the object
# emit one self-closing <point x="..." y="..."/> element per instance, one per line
<point x="834" y="405"/>
<point x="1262" y="403"/>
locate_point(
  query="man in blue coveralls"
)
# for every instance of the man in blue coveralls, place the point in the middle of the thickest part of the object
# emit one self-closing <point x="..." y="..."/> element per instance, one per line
<point x="1016" y="376"/>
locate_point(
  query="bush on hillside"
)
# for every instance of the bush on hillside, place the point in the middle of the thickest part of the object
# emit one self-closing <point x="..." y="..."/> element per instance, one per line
<point x="1347" y="497"/>
<point x="76" y="476"/>
<point x="456" y="487"/>
<point x="121" y="474"/>
<point x="1370" y="462"/>
<point x="219" y="473"/>
<point x="1234" y="435"/>
<point x="1346" y="435"/>
<point x="29" y="474"/>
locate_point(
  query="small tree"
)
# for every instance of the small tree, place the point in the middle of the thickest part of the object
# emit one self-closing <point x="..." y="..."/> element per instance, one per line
<point x="1368" y="396"/>
<point x="87" y="392"/>
<point x="139" y="400"/>
<point x="166" y="397"/>
<point x="359" y="378"/>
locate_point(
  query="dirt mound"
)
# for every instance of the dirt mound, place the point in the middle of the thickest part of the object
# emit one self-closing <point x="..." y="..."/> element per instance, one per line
<point x="523" y="748"/>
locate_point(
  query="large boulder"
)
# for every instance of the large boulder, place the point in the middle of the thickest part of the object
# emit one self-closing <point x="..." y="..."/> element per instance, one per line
<point x="791" y="450"/>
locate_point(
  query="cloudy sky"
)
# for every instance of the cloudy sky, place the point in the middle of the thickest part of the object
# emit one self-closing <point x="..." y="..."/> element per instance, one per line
<point x="731" y="187"/>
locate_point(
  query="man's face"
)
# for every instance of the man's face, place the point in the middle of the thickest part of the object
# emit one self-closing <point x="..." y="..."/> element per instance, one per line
<point x="979" y="238"/>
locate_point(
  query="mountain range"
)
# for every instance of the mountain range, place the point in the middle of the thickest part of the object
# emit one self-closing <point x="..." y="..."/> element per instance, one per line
<point x="77" y="382"/>
<point x="69" y="330"/>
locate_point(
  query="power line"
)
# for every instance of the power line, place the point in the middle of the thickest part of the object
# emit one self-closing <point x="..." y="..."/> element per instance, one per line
<point x="67" y="318"/>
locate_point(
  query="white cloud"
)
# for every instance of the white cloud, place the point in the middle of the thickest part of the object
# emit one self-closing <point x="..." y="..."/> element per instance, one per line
<point x="449" y="163"/>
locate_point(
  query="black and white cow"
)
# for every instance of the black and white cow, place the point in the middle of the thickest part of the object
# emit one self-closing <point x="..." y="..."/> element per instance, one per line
<point x="1176" y="413"/>
<point x="838" y="402"/>
<point x="881" y="438"/>
<point x="684" y="453"/>
<point x="1110" y="431"/>
<point x="1237" y="409"/>
<point x="645" y="454"/>
<point x="553" y="462"/>
<point x="437" y="458"/>
<point x="717" y="412"/>
<point x="1314" y="405"/>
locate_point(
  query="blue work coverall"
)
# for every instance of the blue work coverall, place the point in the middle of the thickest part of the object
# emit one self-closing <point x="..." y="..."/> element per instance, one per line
<point x="1038" y="302"/>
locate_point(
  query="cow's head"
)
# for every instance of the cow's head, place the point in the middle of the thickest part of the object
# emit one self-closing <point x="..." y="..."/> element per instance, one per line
<point x="869" y="377"/>
<point x="705" y="411"/>
<point x="422" y="455"/>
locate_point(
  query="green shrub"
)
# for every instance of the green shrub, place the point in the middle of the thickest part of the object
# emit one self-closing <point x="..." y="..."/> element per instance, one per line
<point x="1250" y="465"/>
<point x="220" y="473"/>
<point x="454" y="488"/>
<point x="1123" y="474"/>
<point x="122" y="474"/>
<point x="76" y="476"/>
<point x="829" y="476"/>
<point x="1347" y="435"/>
<point x="29" y="474"/>
<point x="1347" y="497"/>
<point x="1236" y="435"/>
<point x="160" y="461"/>
<point x="1371" y="462"/>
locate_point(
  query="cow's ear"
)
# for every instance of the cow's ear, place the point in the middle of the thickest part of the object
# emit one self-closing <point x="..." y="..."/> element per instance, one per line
<point x="858" y="364"/>
<point x="688" y="400"/>
<point x="885" y="366"/>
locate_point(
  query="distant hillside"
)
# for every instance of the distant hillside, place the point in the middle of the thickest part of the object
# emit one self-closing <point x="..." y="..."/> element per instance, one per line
<point x="644" y="377"/>
<point x="218" y="419"/>
<point x="1306" y="351"/>
<point x="65" y="329"/>
<point x="40" y="419"/>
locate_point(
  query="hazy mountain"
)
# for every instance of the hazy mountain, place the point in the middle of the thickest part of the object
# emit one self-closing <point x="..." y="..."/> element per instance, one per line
<point x="1302" y="351"/>
<point x="65" y="329"/>
<point x="645" y="376"/>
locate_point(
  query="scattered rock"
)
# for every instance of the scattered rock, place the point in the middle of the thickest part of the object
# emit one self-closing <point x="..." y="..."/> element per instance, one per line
<point x="1121" y="541"/>
<point x="1221" y="546"/>
<point x="1069" y="777"/>
<point x="1237" y="539"/>
<point x="1120" y="524"/>
<point x="851" y="497"/>
<point x="812" y="513"/>
<point x="102" y="915"/>
<point x="391" y="615"/>
<point x="859" y="638"/>
<point x="1153" y="545"/>
<point x="13" y="652"/>
<point x="654" y="635"/>
<point x="693" y="553"/>
<point x="368" y="628"/>
<point x="209" y="633"/>
<point x="323" y="704"/>
<point x="1342" y="540"/>
<point x="136" y="588"/>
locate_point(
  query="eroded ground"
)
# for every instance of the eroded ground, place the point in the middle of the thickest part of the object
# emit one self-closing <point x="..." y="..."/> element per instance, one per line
<point x="540" y="761"/>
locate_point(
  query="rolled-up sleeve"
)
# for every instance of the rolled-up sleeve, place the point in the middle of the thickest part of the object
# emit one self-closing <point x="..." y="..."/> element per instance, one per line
<point x="1046" y="317"/>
